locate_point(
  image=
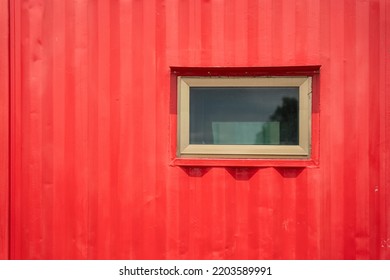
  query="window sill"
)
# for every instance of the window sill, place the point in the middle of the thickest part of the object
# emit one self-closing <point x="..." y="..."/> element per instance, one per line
<point x="212" y="162"/>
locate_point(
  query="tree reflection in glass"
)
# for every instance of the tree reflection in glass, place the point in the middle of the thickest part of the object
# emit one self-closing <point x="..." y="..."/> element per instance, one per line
<point x="244" y="115"/>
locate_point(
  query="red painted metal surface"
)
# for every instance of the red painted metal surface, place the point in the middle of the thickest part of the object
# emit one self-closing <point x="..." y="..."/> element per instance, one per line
<point x="90" y="132"/>
<point x="4" y="130"/>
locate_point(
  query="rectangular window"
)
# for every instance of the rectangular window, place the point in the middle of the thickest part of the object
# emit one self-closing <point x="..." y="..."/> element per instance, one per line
<point x="244" y="117"/>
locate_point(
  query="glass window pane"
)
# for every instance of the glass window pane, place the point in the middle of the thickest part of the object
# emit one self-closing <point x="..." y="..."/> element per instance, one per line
<point x="244" y="116"/>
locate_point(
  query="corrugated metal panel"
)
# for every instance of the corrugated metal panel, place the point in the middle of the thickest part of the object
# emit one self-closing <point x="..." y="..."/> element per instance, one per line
<point x="91" y="121"/>
<point x="384" y="128"/>
<point x="4" y="130"/>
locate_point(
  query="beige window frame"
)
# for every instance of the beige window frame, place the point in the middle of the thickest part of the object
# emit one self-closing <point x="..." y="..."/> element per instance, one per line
<point x="187" y="150"/>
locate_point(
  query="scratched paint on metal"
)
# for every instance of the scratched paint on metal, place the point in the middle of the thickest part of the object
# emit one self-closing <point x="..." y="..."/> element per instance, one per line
<point x="90" y="136"/>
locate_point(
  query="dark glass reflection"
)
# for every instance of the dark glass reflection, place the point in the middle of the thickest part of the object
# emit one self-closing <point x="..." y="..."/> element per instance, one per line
<point x="244" y="116"/>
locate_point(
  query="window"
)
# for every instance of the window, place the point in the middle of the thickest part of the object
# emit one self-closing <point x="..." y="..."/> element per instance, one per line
<point x="244" y="117"/>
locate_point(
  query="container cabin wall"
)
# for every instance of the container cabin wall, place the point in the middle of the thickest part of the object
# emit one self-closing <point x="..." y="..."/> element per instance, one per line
<point x="4" y="129"/>
<point x="91" y="115"/>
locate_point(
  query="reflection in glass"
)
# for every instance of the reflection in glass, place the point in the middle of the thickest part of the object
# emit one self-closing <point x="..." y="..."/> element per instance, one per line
<point x="244" y="116"/>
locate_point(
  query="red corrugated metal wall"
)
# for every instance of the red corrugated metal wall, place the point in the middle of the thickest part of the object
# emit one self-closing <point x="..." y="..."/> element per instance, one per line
<point x="90" y="115"/>
<point x="4" y="129"/>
